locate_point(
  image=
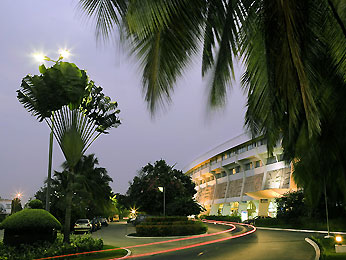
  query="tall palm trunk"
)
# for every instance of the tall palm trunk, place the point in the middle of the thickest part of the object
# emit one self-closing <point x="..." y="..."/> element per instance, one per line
<point x="69" y="194"/>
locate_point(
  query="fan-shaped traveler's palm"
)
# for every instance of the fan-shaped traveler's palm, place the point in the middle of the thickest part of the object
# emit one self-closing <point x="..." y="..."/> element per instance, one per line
<point x="65" y="98"/>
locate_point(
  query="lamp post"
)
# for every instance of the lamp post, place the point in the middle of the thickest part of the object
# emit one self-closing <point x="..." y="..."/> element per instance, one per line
<point x="39" y="57"/>
<point x="162" y="189"/>
<point x="326" y="202"/>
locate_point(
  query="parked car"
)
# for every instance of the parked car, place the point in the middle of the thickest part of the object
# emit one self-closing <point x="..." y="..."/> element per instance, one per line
<point x="83" y="225"/>
<point x="96" y="224"/>
<point x="104" y="222"/>
<point x="253" y="220"/>
<point x="115" y="218"/>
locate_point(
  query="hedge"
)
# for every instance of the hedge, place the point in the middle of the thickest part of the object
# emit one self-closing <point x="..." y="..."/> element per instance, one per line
<point x="171" y="229"/>
<point x="223" y="218"/>
<point x="29" y="226"/>
<point x="166" y="219"/>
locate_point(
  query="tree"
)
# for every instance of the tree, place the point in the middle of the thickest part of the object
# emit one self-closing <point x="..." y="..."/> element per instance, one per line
<point x="16" y="205"/>
<point x="92" y="193"/>
<point x="75" y="109"/>
<point x="144" y="193"/>
<point x="35" y="204"/>
<point x="293" y="53"/>
<point x="291" y="205"/>
<point x="275" y="39"/>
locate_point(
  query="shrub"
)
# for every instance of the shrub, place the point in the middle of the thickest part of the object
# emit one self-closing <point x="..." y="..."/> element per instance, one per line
<point x="178" y="228"/>
<point x="29" y="226"/>
<point x="2" y="217"/>
<point x="268" y="222"/>
<point x="223" y="218"/>
<point x="78" y="244"/>
<point x="166" y="219"/>
<point x="35" y="204"/>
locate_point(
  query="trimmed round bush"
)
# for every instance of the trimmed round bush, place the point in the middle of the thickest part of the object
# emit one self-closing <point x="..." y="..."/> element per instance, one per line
<point x="29" y="226"/>
<point x="35" y="204"/>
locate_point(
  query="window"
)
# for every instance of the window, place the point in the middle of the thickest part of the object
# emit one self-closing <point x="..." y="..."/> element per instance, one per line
<point x="261" y="142"/>
<point x="258" y="164"/>
<point x="219" y="210"/>
<point x="242" y="149"/>
<point x="251" y="146"/>
<point x="271" y="160"/>
<point x="237" y="169"/>
<point x="224" y="174"/>
<point x="247" y="166"/>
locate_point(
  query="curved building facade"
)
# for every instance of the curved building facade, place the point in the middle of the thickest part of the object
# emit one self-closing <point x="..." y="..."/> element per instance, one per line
<point x="238" y="177"/>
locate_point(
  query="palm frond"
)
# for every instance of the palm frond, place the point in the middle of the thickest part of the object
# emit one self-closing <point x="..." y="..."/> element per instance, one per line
<point x="106" y="13"/>
<point x="165" y="53"/>
<point x="228" y="48"/>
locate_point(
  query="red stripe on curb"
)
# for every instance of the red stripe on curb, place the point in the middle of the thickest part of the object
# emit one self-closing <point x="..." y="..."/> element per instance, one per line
<point x="149" y="244"/>
<point x="194" y="245"/>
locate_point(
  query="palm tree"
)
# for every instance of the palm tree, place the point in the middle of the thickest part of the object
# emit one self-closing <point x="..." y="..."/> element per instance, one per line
<point x="92" y="193"/>
<point x="64" y="96"/>
<point x="291" y="50"/>
<point x="275" y="39"/>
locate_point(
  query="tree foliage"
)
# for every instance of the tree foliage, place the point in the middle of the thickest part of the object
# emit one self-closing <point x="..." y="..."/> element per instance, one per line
<point x="92" y="191"/>
<point x="35" y="204"/>
<point x="294" y="57"/>
<point x="16" y="205"/>
<point x="145" y="195"/>
<point x="75" y="109"/>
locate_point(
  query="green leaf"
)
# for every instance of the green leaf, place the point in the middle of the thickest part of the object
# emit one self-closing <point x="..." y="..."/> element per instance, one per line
<point x="42" y="69"/>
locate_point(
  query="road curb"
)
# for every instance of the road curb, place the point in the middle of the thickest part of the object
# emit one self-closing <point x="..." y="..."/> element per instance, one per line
<point x="127" y="236"/>
<point x="315" y="246"/>
<point x="125" y="256"/>
<point x="301" y="230"/>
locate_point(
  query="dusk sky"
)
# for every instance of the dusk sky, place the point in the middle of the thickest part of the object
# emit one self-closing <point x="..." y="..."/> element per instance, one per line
<point x="177" y="134"/>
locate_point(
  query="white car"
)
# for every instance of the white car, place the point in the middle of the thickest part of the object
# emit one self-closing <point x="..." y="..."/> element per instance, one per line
<point x="83" y="225"/>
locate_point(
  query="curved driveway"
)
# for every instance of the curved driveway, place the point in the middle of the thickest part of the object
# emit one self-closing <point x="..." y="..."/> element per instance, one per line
<point x="263" y="244"/>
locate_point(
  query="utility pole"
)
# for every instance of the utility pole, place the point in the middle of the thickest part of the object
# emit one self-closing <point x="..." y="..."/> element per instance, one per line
<point x="49" y="170"/>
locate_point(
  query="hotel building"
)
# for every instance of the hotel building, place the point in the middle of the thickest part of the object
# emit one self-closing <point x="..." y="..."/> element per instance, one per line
<point x="239" y="177"/>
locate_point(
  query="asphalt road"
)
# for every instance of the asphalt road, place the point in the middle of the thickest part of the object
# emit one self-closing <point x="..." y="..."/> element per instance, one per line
<point x="261" y="245"/>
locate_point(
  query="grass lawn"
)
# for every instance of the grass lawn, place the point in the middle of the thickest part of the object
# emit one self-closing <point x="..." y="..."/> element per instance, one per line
<point x="101" y="255"/>
<point x="327" y="247"/>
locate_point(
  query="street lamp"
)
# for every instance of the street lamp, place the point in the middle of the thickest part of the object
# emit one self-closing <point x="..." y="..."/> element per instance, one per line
<point x="162" y="189"/>
<point x="338" y="239"/>
<point x="40" y="58"/>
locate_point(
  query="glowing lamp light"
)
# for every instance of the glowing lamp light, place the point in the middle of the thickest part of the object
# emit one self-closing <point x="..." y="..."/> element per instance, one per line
<point x="64" y="53"/>
<point x="338" y="239"/>
<point x="160" y="189"/>
<point x="39" y="57"/>
<point x="133" y="211"/>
